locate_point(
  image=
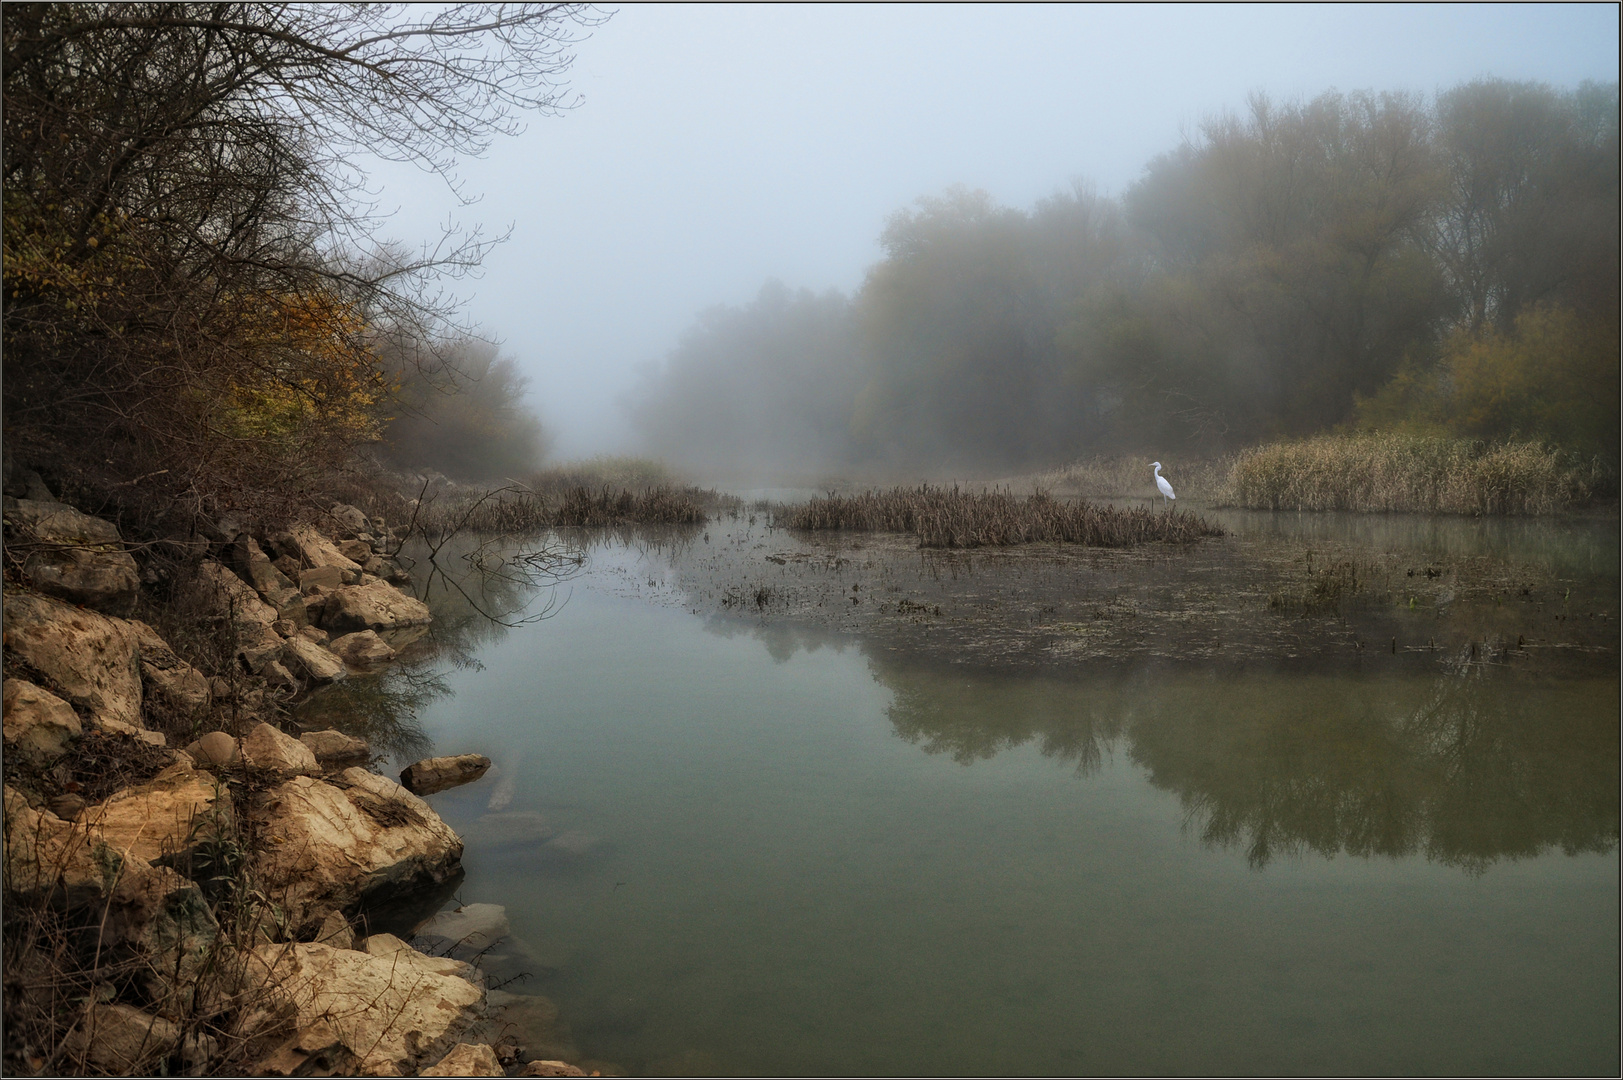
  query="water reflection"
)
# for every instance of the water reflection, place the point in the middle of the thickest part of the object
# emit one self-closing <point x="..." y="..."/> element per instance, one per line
<point x="1467" y="768"/>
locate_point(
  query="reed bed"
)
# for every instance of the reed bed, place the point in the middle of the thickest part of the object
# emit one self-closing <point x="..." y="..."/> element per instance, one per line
<point x="953" y="518"/>
<point x="516" y="510"/>
<point x="1406" y="474"/>
<point x="1203" y="480"/>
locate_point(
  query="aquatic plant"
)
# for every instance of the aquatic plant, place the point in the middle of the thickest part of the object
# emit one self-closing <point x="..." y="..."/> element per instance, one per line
<point x="1406" y="473"/>
<point x="953" y="518"/>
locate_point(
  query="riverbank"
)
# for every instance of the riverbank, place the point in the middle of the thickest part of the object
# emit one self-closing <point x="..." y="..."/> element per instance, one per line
<point x="193" y="884"/>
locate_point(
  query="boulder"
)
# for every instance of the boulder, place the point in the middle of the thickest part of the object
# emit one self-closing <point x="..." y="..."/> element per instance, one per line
<point x="317" y="1050"/>
<point x="467" y="1059"/>
<point x="167" y="678"/>
<point x="320" y="580"/>
<point x="357" y="839"/>
<point x="215" y="749"/>
<point x="335" y="748"/>
<point x="253" y="566"/>
<point x="551" y="1068"/>
<point x="235" y="597"/>
<point x="310" y="660"/>
<point x="161" y="922"/>
<point x="267" y="747"/>
<point x="120" y="1040"/>
<point x="37" y="723"/>
<point x="46" y="856"/>
<point x="379" y="606"/>
<point x="315" y="634"/>
<point x="83" y="560"/>
<point x="162" y="817"/>
<point x="314" y="549"/>
<point x="336" y="931"/>
<point x="392" y="1007"/>
<point x="279" y="678"/>
<point x="91" y="660"/>
<point x="437" y="774"/>
<point x="258" y="647"/>
<point x="350" y="520"/>
<point x="362" y="649"/>
<point x="356" y="551"/>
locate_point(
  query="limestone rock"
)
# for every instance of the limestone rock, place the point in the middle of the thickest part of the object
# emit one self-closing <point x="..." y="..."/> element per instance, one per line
<point x="45" y="855"/>
<point x="317" y="1050"/>
<point x="37" y="723"/>
<point x="315" y="634"/>
<point x="93" y="660"/>
<point x="161" y="921"/>
<point x="121" y="1040"/>
<point x="379" y="606"/>
<point x="320" y="580"/>
<point x="334" y="747"/>
<point x="278" y="677"/>
<point x="167" y="677"/>
<point x="252" y="565"/>
<point x="357" y="839"/>
<point x="315" y="549"/>
<point x="362" y="649"/>
<point x="215" y="749"/>
<point x="394" y="1008"/>
<point x="356" y="551"/>
<point x="336" y="931"/>
<point x="351" y="520"/>
<point x="467" y="1059"/>
<point x="267" y="747"/>
<point x="437" y="774"/>
<point x="312" y="661"/>
<point x="551" y="1068"/>
<point x="235" y="597"/>
<point x="85" y="562"/>
<point x="161" y="817"/>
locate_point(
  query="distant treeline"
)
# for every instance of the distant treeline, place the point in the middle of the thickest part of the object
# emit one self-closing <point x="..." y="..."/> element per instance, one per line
<point x="1443" y="266"/>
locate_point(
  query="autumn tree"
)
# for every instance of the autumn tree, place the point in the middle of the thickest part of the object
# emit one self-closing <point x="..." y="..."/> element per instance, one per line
<point x="195" y="287"/>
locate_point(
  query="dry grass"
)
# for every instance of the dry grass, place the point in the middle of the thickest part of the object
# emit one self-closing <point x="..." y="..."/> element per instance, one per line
<point x="518" y="511"/>
<point x="1404" y="473"/>
<point x="953" y="518"/>
<point x="1202" y="480"/>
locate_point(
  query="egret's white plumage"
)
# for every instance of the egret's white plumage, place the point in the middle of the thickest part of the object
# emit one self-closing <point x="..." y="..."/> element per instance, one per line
<point x="1161" y="482"/>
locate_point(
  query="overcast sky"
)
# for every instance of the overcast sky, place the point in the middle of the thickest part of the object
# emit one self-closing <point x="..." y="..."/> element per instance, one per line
<point x="717" y="147"/>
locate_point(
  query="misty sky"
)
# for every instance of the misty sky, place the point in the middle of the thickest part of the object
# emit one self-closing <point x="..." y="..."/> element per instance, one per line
<point x="719" y="146"/>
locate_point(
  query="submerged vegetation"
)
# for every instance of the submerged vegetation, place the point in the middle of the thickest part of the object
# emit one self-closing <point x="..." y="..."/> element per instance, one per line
<point x="953" y="518"/>
<point x="1406" y="473"/>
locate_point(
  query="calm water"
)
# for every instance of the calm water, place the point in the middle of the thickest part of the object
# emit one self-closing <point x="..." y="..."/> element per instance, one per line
<point x="730" y="858"/>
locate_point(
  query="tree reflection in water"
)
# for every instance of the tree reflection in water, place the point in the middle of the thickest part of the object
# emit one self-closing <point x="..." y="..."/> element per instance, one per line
<point x="1471" y="767"/>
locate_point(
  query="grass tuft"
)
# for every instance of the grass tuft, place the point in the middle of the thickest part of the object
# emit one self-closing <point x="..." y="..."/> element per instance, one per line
<point x="953" y="518"/>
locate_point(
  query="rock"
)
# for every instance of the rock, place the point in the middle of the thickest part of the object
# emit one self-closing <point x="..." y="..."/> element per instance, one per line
<point x="46" y="856"/>
<point x="356" y="551"/>
<point x="315" y="634"/>
<point x="467" y="1059"/>
<point x="84" y="562"/>
<point x="169" y="679"/>
<point x="215" y="749"/>
<point x="313" y="549"/>
<point x="259" y="646"/>
<point x="235" y="597"/>
<point x="350" y="519"/>
<point x="118" y="727"/>
<point x="312" y="661"/>
<point x="336" y="931"/>
<point x="162" y="817"/>
<point x="437" y="774"/>
<point x="284" y="628"/>
<point x="390" y="1006"/>
<point x="120" y="1040"/>
<point x="355" y="840"/>
<point x="379" y="606"/>
<point x="551" y="1068"/>
<point x="320" y="580"/>
<point x="289" y="566"/>
<point x="37" y="723"/>
<point x="267" y="747"/>
<point x="362" y="649"/>
<point x="253" y="566"/>
<point x="92" y="660"/>
<point x="317" y="1050"/>
<point x="465" y="932"/>
<point x="278" y="677"/>
<point x="162" y="922"/>
<point x="334" y="748"/>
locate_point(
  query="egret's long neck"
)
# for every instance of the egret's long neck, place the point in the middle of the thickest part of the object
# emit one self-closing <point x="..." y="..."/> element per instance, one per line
<point x="1158" y="470"/>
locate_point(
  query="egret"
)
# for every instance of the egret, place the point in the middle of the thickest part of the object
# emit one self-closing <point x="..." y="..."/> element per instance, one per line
<point x="1161" y="482"/>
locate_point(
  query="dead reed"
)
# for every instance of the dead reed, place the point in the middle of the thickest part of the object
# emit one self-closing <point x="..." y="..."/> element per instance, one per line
<point x="516" y="510"/>
<point x="1406" y="474"/>
<point x="954" y="518"/>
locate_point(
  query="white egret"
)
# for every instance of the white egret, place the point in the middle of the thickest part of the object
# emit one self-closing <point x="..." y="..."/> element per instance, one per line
<point x="1161" y="482"/>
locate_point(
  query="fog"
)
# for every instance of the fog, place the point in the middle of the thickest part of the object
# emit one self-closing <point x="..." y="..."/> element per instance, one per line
<point x="715" y="149"/>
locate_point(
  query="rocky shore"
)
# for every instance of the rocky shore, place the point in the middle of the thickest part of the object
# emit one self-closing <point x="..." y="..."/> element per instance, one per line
<point x="192" y="887"/>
